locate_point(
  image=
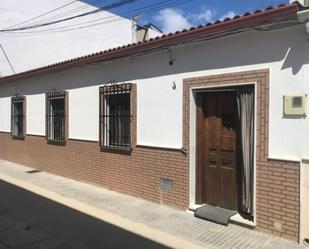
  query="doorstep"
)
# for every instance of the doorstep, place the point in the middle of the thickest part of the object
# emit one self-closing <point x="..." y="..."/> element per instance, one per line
<point x="170" y="227"/>
<point x="236" y="219"/>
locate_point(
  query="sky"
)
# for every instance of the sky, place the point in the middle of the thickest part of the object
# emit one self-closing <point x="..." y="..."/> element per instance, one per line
<point x="192" y="12"/>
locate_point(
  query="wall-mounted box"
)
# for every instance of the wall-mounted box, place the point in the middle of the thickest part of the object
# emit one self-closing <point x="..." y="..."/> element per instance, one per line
<point x="166" y="184"/>
<point x="295" y="105"/>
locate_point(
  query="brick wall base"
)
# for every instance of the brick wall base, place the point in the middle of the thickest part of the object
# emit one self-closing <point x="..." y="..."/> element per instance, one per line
<point x="137" y="174"/>
<point x="277" y="198"/>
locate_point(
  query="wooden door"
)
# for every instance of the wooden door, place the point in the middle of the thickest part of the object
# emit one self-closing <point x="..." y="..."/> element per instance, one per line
<point x="216" y="149"/>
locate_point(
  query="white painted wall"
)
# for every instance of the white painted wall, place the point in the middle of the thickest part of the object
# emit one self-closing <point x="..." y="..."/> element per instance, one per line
<point x="31" y="50"/>
<point x="159" y="111"/>
<point x="154" y="33"/>
<point x="36" y="114"/>
<point x="159" y="127"/>
<point x="89" y="109"/>
<point x="5" y="112"/>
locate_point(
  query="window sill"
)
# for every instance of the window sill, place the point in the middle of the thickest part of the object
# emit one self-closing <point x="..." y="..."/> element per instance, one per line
<point x="116" y="150"/>
<point x="57" y="142"/>
<point x="18" y="137"/>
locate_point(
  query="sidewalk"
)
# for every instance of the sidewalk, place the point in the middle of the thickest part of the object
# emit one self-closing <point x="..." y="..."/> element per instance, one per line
<point x="167" y="226"/>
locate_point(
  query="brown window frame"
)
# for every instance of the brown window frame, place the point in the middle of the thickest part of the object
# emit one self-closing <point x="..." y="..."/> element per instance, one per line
<point x="125" y="143"/>
<point x="14" y="100"/>
<point x="62" y="119"/>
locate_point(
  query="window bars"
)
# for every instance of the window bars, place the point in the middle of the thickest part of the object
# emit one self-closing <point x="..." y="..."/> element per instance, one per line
<point x="56" y="116"/>
<point x="18" y="116"/>
<point x="115" y="116"/>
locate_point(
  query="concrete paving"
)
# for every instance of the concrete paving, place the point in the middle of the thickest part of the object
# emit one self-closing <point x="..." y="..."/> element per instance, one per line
<point x="42" y="210"/>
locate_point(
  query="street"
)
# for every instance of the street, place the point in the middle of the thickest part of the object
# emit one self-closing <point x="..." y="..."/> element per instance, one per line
<point x="29" y="221"/>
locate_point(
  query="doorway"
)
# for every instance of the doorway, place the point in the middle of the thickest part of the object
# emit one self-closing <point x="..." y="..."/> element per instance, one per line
<point x="225" y="148"/>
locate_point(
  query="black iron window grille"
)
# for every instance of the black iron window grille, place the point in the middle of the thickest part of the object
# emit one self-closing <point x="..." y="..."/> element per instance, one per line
<point x="56" y="116"/>
<point x="115" y="116"/>
<point x="18" y="117"/>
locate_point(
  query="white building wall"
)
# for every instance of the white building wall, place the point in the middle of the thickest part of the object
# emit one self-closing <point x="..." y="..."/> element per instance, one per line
<point x="36" y="114"/>
<point x="159" y="107"/>
<point x="31" y="50"/>
<point x="88" y="109"/>
<point x="154" y="33"/>
<point x="160" y="127"/>
<point x="5" y="114"/>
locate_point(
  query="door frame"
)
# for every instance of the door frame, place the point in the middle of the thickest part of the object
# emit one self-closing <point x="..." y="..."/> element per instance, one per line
<point x="193" y="133"/>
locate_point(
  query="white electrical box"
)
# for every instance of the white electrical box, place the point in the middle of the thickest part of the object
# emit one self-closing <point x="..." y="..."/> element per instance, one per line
<point x="295" y="105"/>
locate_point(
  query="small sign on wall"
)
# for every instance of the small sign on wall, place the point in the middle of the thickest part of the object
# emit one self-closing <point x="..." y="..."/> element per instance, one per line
<point x="295" y="105"/>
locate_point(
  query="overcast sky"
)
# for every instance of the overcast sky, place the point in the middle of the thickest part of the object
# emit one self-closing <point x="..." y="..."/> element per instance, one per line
<point x="194" y="12"/>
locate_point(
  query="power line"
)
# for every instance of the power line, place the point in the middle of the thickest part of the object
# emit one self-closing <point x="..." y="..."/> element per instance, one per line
<point x="129" y="14"/>
<point x="7" y="58"/>
<point x="68" y="12"/>
<point x="44" y="14"/>
<point x="107" y="7"/>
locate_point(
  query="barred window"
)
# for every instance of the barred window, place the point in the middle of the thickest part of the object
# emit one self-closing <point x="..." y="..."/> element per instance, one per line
<point x="115" y="116"/>
<point x="56" y="116"/>
<point x="18" y="117"/>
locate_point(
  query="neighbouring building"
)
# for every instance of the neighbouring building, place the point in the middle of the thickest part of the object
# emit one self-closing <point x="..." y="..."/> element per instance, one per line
<point x="64" y="40"/>
<point x="215" y="114"/>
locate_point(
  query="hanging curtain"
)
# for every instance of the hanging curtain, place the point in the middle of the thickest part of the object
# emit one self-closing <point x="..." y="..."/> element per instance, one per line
<point x="245" y="107"/>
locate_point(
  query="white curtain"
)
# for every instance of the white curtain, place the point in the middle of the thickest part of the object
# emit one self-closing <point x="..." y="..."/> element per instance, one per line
<point x="245" y="106"/>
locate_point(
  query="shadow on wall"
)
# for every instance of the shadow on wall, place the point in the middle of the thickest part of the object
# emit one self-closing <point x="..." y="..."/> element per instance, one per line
<point x="294" y="58"/>
<point x="29" y="220"/>
<point x="254" y="48"/>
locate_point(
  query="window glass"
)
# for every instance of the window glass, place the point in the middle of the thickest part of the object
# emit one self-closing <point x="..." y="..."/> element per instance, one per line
<point x="56" y="117"/>
<point x="17" y="120"/>
<point x="116" y="116"/>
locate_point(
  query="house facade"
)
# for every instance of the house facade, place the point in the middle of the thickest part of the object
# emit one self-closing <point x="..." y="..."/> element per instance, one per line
<point x="215" y="114"/>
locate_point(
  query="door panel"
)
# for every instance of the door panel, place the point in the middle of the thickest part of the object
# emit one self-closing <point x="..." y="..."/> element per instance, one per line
<point x="228" y="189"/>
<point x="227" y="143"/>
<point x="217" y="150"/>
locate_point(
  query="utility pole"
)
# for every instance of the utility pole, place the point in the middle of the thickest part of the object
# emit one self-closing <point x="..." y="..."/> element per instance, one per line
<point x="7" y="58"/>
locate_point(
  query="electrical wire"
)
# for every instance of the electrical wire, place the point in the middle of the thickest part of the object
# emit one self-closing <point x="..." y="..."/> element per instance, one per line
<point x="145" y="10"/>
<point x="127" y="14"/>
<point x="107" y="7"/>
<point x="46" y="13"/>
<point x="7" y="58"/>
<point x="68" y="12"/>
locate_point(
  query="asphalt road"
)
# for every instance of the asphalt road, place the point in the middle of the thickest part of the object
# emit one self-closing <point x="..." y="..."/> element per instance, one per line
<point x="29" y="221"/>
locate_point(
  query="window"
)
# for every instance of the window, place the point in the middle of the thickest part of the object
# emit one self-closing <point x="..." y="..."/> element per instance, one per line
<point x="18" y="124"/>
<point x="115" y="116"/>
<point x="56" y="118"/>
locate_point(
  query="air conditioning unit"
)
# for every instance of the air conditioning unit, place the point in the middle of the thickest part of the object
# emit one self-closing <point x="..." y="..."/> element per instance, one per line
<point x="295" y="105"/>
